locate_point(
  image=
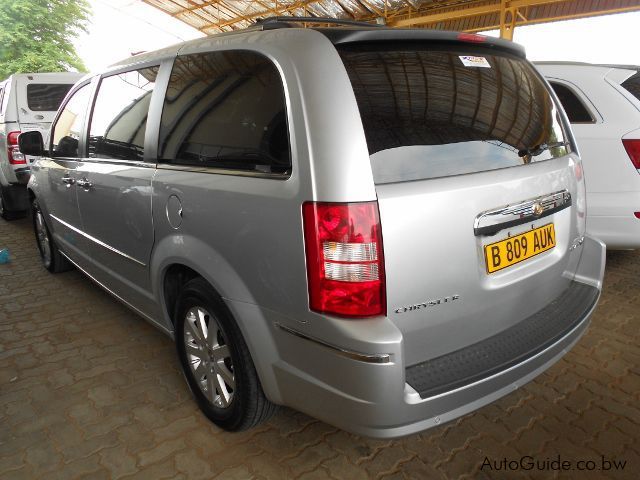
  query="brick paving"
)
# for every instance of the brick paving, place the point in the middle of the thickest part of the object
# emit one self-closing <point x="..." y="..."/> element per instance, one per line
<point x="90" y="390"/>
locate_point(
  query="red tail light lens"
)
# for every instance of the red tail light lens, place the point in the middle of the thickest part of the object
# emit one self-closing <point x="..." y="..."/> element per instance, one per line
<point x="13" y="152"/>
<point x="12" y="138"/>
<point x="345" y="264"/>
<point x="637" y="214"/>
<point x="633" y="150"/>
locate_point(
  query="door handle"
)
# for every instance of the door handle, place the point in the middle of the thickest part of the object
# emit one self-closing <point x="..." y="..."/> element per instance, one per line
<point x="68" y="181"/>
<point x="84" y="183"/>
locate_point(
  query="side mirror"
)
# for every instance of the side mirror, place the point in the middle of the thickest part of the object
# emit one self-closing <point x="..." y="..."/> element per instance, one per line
<point x="31" y="143"/>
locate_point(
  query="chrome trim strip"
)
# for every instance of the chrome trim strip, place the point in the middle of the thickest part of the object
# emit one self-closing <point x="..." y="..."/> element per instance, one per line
<point x="362" y="357"/>
<point x="492" y="221"/>
<point x="95" y="240"/>
<point x="118" y="297"/>
<point x="112" y="161"/>
<point x="222" y="171"/>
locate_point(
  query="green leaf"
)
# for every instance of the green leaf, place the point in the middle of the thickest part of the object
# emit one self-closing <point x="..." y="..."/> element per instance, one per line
<point x="37" y="35"/>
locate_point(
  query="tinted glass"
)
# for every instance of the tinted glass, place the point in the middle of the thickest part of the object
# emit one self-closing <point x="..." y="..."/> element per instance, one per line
<point x="67" y="129"/>
<point x="632" y="85"/>
<point x="441" y="111"/>
<point x="225" y="110"/>
<point x="575" y="109"/>
<point x="119" y="118"/>
<point x="44" y="97"/>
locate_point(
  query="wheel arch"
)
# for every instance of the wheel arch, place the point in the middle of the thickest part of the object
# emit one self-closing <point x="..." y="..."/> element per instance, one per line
<point x="171" y="269"/>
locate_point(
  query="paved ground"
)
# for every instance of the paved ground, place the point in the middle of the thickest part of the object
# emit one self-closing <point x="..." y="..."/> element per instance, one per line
<point x="89" y="389"/>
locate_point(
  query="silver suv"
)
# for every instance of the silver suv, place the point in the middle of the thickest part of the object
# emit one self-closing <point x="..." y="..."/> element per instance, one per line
<point x="381" y="228"/>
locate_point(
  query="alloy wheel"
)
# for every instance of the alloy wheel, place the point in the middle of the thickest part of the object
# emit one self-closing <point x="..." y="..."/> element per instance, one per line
<point x="209" y="357"/>
<point x="43" y="238"/>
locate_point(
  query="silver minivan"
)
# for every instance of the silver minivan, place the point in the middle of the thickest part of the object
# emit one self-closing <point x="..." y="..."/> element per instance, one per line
<point x="384" y="229"/>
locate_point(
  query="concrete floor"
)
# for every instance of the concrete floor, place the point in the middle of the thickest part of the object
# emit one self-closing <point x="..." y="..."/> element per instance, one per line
<point x="88" y="389"/>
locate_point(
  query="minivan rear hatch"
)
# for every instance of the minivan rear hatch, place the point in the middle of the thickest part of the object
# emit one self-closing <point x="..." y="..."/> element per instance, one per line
<point x="480" y="197"/>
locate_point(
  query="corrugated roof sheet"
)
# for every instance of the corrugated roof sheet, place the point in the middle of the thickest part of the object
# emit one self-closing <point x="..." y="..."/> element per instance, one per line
<point x="212" y="16"/>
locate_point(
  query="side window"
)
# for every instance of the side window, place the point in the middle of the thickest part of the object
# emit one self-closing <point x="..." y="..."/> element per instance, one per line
<point x="1" y="100"/>
<point x="67" y="129"/>
<point x="119" y="118"/>
<point x="576" y="111"/>
<point x="226" y="110"/>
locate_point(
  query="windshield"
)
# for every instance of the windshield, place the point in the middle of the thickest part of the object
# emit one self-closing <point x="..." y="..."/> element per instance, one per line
<point x="434" y="111"/>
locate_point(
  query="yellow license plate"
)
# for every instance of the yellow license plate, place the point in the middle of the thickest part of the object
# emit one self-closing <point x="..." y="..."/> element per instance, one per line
<point x="519" y="248"/>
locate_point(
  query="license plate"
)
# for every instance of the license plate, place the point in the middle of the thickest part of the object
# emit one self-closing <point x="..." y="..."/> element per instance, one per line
<point x="519" y="248"/>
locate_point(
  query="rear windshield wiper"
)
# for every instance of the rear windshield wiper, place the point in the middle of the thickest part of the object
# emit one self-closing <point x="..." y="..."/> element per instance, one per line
<point x="538" y="149"/>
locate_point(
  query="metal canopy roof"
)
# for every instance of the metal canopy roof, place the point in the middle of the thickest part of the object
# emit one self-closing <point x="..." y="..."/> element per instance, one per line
<point x="213" y="16"/>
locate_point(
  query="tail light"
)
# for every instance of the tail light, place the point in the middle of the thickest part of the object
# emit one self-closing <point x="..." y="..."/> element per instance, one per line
<point x="472" y="38"/>
<point x="13" y="152"/>
<point x="633" y="150"/>
<point x="345" y="264"/>
<point x="637" y="214"/>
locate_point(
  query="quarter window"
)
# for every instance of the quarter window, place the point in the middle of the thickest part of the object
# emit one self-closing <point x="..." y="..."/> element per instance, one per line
<point x="226" y="110"/>
<point x="68" y="127"/>
<point x="632" y="85"/>
<point x="576" y="111"/>
<point x="119" y="118"/>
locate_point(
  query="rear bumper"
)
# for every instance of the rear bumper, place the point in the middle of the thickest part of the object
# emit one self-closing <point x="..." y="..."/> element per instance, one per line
<point x="618" y="233"/>
<point x="382" y="400"/>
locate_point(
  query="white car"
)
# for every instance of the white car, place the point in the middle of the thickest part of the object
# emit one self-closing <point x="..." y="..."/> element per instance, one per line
<point x="603" y="106"/>
<point x="28" y="101"/>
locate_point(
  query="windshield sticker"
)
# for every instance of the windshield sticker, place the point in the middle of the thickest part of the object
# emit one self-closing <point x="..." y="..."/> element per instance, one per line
<point x="471" y="61"/>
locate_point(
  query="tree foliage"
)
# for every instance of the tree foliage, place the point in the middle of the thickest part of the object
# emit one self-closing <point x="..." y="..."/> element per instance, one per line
<point x="37" y="35"/>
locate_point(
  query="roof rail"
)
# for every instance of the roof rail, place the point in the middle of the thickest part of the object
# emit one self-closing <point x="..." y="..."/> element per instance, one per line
<point x="269" y="21"/>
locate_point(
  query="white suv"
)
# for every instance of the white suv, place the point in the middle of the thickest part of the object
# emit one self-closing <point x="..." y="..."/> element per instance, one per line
<point x="28" y="102"/>
<point x="603" y="106"/>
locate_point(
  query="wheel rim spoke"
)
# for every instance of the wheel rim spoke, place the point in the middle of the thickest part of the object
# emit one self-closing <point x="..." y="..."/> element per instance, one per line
<point x="192" y="329"/>
<point x="225" y="397"/>
<point x="211" y="386"/>
<point x="194" y="351"/>
<point x="200" y="371"/>
<point x="221" y="352"/>
<point x="225" y="374"/>
<point x="201" y="324"/>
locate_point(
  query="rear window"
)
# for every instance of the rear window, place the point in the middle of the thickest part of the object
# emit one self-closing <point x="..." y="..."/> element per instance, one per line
<point x="632" y="85"/>
<point x="442" y="111"/>
<point x="46" y="97"/>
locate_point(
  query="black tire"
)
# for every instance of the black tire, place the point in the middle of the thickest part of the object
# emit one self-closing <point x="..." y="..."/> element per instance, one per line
<point x="52" y="259"/>
<point x="247" y="405"/>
